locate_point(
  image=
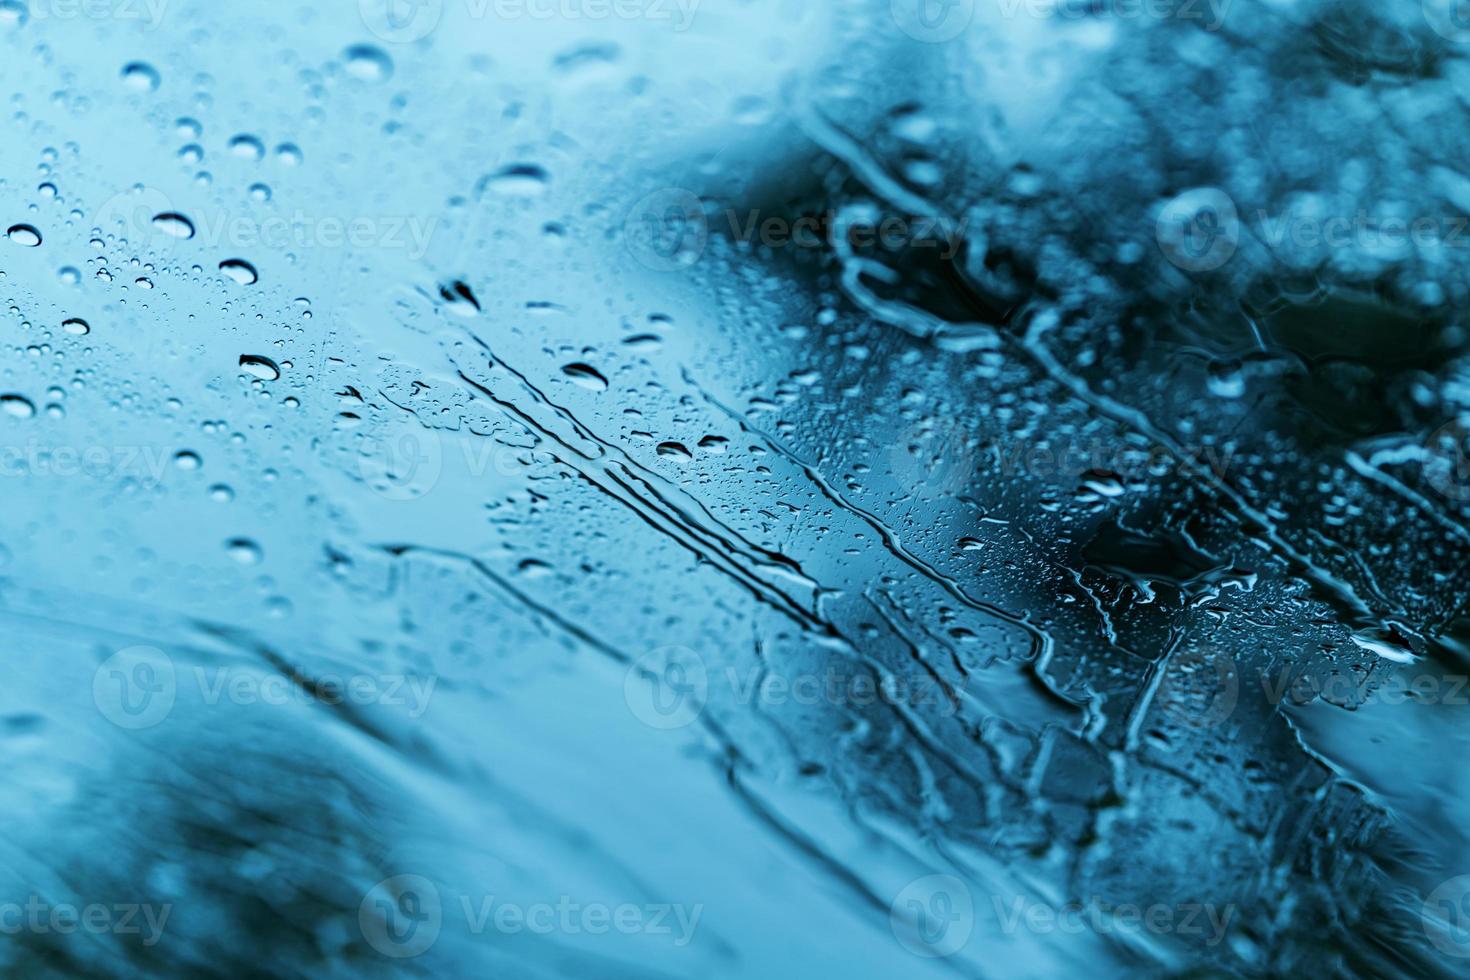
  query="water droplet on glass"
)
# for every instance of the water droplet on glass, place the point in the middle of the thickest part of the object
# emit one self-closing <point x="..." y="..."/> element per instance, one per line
<point x="221" y="494"/>
<point x="368" y="63"/>
<point x="517" y="180"/>
<point x="243" y="550"/>
<point x="247" y="147"/>
<point x="260" y="193"/>
<point x="586" y="375"/>
<point x="241" y="271"/>
<point x="17" y="406"/>
<point x="13" y="13"/>
<point x="675" y="450"/>
<point x="25" y="235"/>
<point x="76" y="326"/>
<point x="175" y="224"/>
<point x="140" y="76"/>
<point x="188" y="460"/>
<point x="69" y="275"/>
<point x="288" y="154"/>
<point x="259" y="367"/>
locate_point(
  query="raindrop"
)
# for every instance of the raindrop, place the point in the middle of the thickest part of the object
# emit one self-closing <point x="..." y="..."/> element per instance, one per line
<point x="76" y="326"/>
<point x="140" y="76"/>
<point x="17" y="406"/>
<point x="517" y="180"/>
<point x="260" y="367"/>
<point x="675" y="450"/>
<point x="188" y="460"/>
<point x="192" y="153"/>
<point x="288" y="154"/>
<point x="260" y="193"/>
<point x="69" y="275"/>
<point x="25" y="235"/>
<point x="586" y="375"/>
<point x="241" y="271"/>
<point x="247" y="147"/>
<point x="461" y="298"/>
<point x="368" y="63"/>
<point x="243" y="550"/>
<point x="174" y="224"/>
<point x="13" y="13"/>
<point x="221" y="493"/>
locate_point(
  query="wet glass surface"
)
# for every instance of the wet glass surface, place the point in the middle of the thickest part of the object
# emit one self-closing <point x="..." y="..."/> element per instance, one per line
<point x="734" y="488"/>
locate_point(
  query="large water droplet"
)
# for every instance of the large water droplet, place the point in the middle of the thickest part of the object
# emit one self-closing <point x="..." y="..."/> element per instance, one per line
<point x="243" y="550"/>
<point x="17" y="406"/>
<point x="241" y="271"/>
<point x="517" y="180"/>
<point x="26" y="235"/>
<point x="369" y="63"/>
<point x="259" y="367"/>
<point x="586" y="375"/>
<point x="13" y="13"/>
<point x="175" y="224"/>
<point x="140" y="76"/>
<point x="76" y="326"/>
<point x="247" y="147"/>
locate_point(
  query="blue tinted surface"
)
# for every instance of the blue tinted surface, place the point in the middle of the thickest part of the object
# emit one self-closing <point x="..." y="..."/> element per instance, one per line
<point x="734" y="488"/>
